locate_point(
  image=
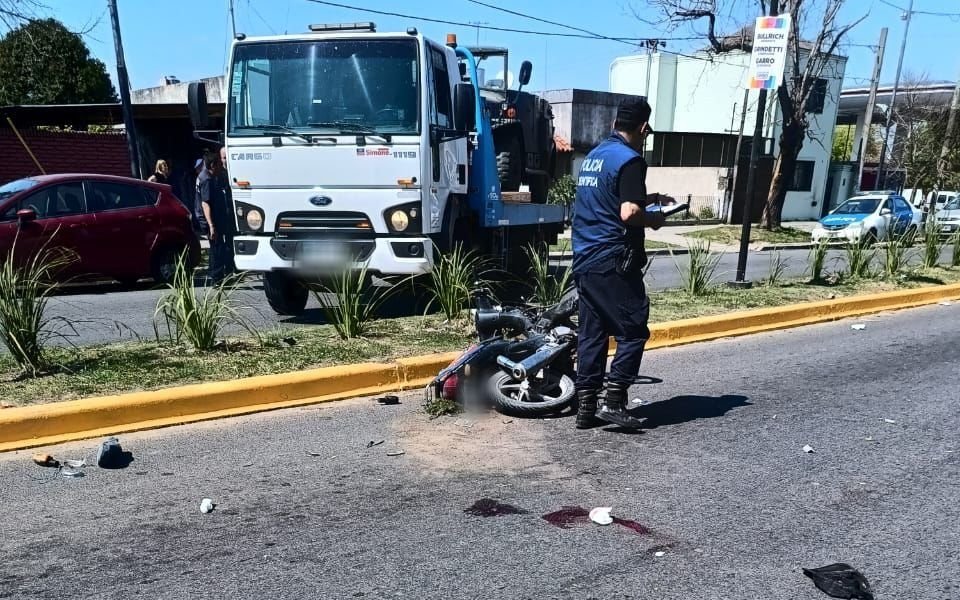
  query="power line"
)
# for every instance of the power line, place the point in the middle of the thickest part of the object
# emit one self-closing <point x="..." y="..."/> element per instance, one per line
<point x="473" y="25"/>
<point x="923" y="12"/>
<point x="572" y="28"/>
<point x="523" y="31"/>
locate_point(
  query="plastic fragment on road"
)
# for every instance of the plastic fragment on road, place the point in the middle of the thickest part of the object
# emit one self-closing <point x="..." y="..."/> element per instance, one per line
<point x="389" y="400"/>
<point x="869" y="438"/>
<point x="946" y="303"/>
<point x="206" y="505"/>
<point x="858" y="326"/>
<point x="659" y="553"/>
<point x="601" y="515"/>
<point x="840" y="580"/>
<point x="889" y="421"/>
<point x="396" y="453"/>
<point x="372" y="443"/>
<point x="808" y="449"/>
<point x="75" y="464"/>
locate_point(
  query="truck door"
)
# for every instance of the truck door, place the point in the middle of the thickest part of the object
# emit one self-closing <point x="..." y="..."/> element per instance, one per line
<point x="448" y="164"/>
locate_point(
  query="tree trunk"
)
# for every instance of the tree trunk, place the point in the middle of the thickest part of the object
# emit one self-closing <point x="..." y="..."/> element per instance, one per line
<point x="791" y="141"/>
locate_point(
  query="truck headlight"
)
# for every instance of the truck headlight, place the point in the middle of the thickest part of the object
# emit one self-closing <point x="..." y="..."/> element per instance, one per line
<point x="255" y="219"/>
<point x="399" y="220"/>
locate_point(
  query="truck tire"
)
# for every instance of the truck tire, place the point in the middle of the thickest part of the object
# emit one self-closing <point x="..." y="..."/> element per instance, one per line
<point x="539" y="189"/>
<point x="285" y="295"/>
<point x="510" y="165"/>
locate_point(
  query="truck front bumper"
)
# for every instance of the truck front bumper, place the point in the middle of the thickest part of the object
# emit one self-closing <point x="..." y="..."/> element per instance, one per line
<point x="384" y="255"/>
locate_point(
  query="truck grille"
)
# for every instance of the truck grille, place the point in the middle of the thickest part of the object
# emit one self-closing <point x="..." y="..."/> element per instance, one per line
<point x="306" y="224"/>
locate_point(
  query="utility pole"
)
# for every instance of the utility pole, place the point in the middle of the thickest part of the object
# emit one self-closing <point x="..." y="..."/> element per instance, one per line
<point x="233" y="20"/>
<point x="651" y="48"/>
<point x="735" y="166"/>
<point x="741" y="278"/>
<point x="871" y="103"/>
<point x="124" y="83"/>
<point x="881" y="175"/>
<point x="477" y="25"/>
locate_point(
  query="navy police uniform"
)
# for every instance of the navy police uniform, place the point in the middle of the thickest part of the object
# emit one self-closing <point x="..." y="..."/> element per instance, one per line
<point x="613" y="300"/>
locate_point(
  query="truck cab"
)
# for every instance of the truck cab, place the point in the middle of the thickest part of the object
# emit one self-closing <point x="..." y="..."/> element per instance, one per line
<point x="349" y="147"/>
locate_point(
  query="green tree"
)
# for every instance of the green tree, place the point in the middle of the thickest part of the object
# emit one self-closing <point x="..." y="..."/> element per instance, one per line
<point x="43" y="62"/>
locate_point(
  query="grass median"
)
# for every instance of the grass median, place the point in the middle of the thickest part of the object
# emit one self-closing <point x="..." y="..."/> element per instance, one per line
<point x="730" y="234"/>
<point x="134" y="366"/>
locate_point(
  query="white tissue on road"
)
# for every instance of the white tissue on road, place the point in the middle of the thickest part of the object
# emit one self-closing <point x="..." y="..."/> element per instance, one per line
<point x="858" y="326"/>
<point x="808" y="449"/>
<point x="206" y="505"/>
<point x="601" y="515"/>
<point x="889" y="421"/>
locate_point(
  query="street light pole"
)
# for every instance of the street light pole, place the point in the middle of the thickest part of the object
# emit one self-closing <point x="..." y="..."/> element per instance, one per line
<point x="124" y="84"/>
<point x="881" y="174"/>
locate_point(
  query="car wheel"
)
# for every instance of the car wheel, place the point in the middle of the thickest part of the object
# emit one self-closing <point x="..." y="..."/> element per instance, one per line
<point x="164" y="265"/>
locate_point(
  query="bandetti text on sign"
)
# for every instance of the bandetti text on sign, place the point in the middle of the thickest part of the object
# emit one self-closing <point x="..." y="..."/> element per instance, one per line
<point x="769" y="55"/>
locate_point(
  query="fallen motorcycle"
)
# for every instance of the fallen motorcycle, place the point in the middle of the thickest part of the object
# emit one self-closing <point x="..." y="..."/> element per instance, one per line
<point x="523" y="361"/>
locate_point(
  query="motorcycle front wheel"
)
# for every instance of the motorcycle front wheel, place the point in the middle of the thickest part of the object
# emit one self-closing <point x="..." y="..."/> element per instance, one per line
<point x="536" y="396"/>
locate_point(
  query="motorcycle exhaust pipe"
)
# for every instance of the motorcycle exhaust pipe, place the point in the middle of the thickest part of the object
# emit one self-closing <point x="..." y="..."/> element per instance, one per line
<point x="533" y="363"/>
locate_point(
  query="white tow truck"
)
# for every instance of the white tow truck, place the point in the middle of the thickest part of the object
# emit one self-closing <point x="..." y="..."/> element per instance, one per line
<point x="352" y="148"/>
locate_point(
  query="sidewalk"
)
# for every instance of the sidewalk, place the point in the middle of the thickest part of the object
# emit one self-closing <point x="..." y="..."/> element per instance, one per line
<point x="675" y="235"/>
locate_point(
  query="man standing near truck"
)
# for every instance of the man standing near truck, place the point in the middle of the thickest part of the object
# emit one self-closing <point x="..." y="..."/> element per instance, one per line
<point x="608" y="260"/>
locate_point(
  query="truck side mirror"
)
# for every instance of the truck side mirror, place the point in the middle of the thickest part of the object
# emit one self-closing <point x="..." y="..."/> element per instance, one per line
<point x="197" y="104"/>
<point x="464" y="107"/>
<point x="526" y="67"/>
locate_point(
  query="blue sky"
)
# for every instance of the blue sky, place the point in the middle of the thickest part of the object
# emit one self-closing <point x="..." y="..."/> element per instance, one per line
<point x="188" y="38"/>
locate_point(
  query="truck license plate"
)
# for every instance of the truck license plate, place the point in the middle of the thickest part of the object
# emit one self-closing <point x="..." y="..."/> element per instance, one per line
<point x="325" y="255"/>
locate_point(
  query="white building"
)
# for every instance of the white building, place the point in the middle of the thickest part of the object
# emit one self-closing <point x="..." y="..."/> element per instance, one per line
<point x="704" y="94"/>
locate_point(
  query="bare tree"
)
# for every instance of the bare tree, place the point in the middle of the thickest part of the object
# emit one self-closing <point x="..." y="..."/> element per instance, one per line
<point x="809" y="61"/>
<point x="15" y="12"/>
<point x="921" y="127"/>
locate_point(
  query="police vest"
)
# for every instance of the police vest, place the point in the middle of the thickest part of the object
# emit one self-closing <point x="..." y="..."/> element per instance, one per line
<point x="599" y="234"/>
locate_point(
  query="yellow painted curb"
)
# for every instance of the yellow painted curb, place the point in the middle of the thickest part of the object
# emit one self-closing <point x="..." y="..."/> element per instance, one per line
<point x="58" y="422"/>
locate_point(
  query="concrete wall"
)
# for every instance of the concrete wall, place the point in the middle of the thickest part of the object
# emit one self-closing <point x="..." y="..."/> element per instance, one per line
<point x="63" y="152"/>
<point x="583" y="117"/>
<point x="679" y="182"/>
<point x="177" y="93"/>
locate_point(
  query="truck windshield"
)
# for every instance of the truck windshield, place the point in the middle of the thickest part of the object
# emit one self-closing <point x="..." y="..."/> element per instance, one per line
<point x="330" y="86"/>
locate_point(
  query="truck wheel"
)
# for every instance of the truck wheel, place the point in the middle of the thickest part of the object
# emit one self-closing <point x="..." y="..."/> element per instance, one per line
<point x="510" y="165"/>
<point x="539" y="189"/>
<point x="285" y="295"/>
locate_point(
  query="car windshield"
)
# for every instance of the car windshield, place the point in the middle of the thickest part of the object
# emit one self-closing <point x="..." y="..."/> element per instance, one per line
<point x="15" y="187"/>
<point x="331" y="86"/>
<point x="952" y="204"/>
<point x="857" y="206"/>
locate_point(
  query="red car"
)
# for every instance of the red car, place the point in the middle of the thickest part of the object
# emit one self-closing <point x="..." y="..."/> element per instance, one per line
<point x="121" y="228"/>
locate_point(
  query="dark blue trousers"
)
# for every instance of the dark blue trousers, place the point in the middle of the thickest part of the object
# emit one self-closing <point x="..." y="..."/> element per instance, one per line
<point x="611" y="305"/>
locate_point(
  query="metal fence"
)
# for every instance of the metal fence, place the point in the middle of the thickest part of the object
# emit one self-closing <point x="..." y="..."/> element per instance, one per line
<point x="703" y="209"/>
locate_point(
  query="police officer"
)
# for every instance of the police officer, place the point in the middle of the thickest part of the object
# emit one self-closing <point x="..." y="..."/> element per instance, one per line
<point x="608" y="260"/>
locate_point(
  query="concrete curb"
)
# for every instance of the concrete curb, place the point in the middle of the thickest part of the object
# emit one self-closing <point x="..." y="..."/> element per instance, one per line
<point x="650" y="252"/>
<point x="55" y="423"/>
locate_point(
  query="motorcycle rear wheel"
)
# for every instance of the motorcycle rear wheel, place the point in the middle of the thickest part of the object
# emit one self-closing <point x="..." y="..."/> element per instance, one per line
<point x="532" y="397"/>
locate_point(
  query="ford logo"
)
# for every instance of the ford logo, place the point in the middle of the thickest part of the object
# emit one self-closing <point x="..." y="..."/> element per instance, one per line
<point x="321" y="200"/>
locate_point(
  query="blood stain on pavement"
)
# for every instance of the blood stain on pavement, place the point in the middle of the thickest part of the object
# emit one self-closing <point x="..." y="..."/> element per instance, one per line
<point x="568" y="516"/>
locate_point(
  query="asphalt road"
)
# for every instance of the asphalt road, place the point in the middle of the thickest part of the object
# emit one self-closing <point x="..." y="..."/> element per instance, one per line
<point x="717" y="483"/>
<point x="101" y="314"/>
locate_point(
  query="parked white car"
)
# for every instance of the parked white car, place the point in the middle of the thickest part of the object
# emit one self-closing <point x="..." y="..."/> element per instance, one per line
<point x="869" y="217"/>
<point x="948" y="215"/>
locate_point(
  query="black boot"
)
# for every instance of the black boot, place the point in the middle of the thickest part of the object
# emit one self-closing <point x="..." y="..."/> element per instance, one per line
<point x="586" y="413"/>
<point x="613" y="409"/>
